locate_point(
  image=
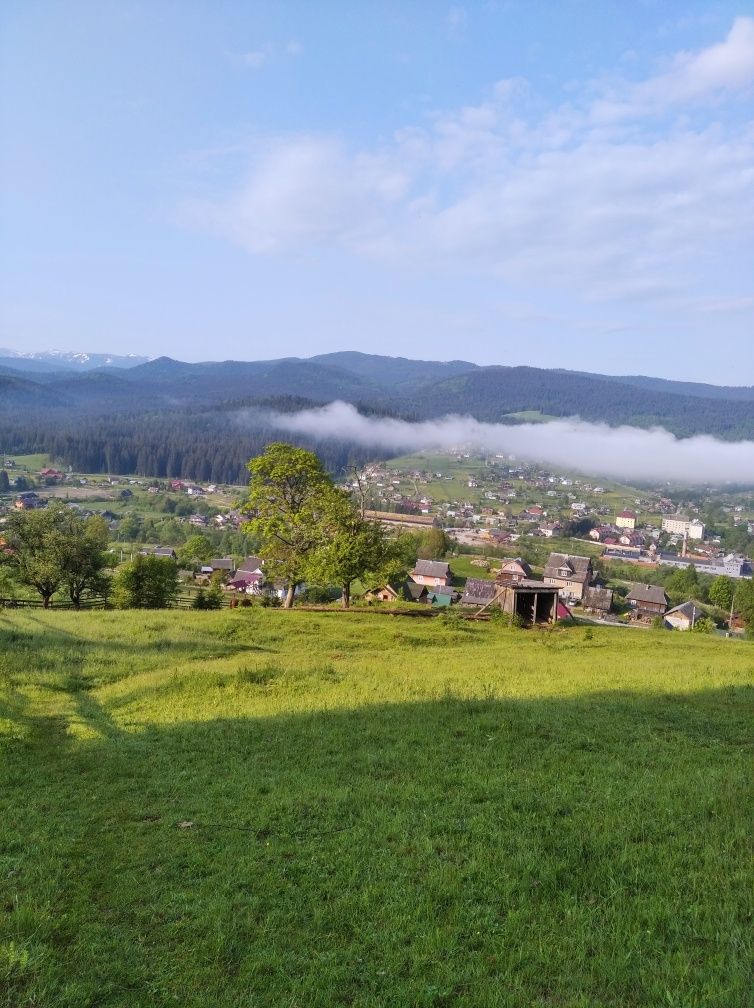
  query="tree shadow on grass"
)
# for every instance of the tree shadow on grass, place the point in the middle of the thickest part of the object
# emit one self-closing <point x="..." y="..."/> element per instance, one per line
<point x="587" y="851"/>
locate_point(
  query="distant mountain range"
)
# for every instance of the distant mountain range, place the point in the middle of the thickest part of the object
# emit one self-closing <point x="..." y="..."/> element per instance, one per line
<point x="63" y="360"/>
<point x="76" y="383"/>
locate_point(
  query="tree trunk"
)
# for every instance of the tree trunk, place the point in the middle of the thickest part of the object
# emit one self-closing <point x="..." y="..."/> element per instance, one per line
<point x="46" y="601"/>
<point x="288" y="601"/>
<point x="345" y="598"/>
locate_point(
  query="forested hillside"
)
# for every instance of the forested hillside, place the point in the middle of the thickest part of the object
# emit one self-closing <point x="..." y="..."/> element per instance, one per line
<point x="171" y="418"/>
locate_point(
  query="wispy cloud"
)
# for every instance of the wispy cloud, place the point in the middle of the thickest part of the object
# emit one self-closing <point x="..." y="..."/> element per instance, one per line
<point x="456" y="20"/>
<point x="621" y="194"/>
<point x="256" y="58"/>
<point x="266" y="54"/>
<point x="619" y="452"/>
<point x="727" y="66"/>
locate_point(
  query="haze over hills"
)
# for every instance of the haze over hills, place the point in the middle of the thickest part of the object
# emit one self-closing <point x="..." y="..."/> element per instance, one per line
<point x="410" y="388"/>
<point x="204" y="420"/>
<point x="56" y="360"/>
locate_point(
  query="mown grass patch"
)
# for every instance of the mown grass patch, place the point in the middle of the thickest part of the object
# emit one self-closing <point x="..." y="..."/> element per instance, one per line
<point x="308" y="810"/>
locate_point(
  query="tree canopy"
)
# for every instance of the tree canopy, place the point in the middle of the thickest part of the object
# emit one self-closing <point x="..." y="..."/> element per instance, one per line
<point x="310" y="530"/>
<point x="53" y="548"/>
<point x="146" y="582"/>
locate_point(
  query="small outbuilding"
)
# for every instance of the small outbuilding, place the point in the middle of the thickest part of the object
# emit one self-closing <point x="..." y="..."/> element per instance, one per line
<point x="684" y="616"/>
<point x="597" y="600"/>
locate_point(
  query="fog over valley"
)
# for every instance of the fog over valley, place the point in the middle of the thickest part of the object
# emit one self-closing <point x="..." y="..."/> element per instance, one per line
<point x="620" y="452"/>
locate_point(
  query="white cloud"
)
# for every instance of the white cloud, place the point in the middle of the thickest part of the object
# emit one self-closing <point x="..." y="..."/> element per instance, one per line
<point x="620" y="452"/>
<point x="727" y="66"/>
<point x="306" y="189"/>
<point x="593" y="196"/>
<point x="257" y="58"/>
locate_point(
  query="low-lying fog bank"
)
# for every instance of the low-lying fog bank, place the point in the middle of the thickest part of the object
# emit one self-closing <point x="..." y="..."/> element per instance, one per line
<point x="629" y="453"/>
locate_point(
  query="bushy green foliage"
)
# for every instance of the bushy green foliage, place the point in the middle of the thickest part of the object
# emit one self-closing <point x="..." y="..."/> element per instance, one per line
<point x="744" y="602"/>
<point x="309" y="530"/>
<point x="705" y="625"/>
<point x="721" y="592"/>
<point x="54" y="548"/>
<point x="146" y="582"/>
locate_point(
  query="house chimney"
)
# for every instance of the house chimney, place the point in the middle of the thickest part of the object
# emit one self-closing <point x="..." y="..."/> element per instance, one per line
<point x="683" y="551"/>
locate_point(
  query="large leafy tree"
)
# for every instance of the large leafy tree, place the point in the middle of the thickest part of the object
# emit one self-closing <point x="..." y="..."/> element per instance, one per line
<point x="146" y="582"/>
<point x="721" y="592"/>
<point x="684" y="583"/>
<point x="744" y="603"/>
<point x="87" y="559"/>
<point x="196" y="549"/>
<point x="290" y="496"/>
<point x="53" y="548"/>
<point x="354" y="548"/>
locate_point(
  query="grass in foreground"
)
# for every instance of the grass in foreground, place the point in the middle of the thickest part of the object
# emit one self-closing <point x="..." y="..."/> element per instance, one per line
<point x="265" y="808"/>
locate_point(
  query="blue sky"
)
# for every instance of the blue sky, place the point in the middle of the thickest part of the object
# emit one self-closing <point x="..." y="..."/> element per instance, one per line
<point x="557" y="184"/>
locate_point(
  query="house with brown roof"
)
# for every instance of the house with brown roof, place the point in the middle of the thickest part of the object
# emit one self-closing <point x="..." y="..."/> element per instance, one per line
<point x="647" y="600"/>
<point x="409" y="591"/>
<point x="626" y="519"/>
<point x="512" y="571"/>
<point x="684" y="616"/>
<point x="251" y="565"/>
<point x="571" y="574"/>
<point x="597" y="600"/>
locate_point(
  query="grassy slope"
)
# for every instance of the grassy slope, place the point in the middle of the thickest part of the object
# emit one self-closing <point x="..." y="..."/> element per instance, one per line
<point x="385" y="812"/>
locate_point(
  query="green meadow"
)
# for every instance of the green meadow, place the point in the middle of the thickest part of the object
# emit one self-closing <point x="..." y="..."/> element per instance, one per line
<point x="262" y="808"/>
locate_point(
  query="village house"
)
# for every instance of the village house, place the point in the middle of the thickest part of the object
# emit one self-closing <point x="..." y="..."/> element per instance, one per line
<point x="165" y="552"/>
<point x="533" y="511"/>
<point x="28" y="501"/>
<point x="224" y="564"/>
<point x="631" y="539"/>
<point x="572" y="574"/>
<point x="478" y="592"/>
<point x="432" y="573"/>
<point x="684" y="616"/>
<point x="647" y="600"/>
<point x="549" y="529"/>
<point x="386" y="593"/>
<point x="249" y="578"/>
<point x="597" y="600"/>
<point x="626" y="519"/>
<point x="413" y="592"/>
<point x="246" y="582"/>
<point x="513" y="572"/>
<point x="52" y="475"/>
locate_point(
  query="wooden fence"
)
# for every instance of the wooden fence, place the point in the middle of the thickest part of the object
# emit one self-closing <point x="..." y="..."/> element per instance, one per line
<point x="23" y="603"/>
